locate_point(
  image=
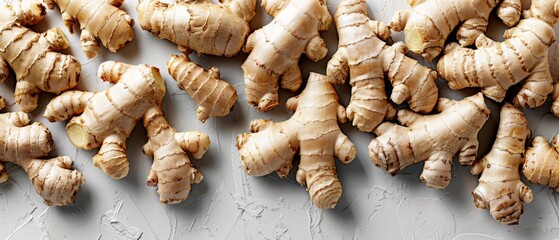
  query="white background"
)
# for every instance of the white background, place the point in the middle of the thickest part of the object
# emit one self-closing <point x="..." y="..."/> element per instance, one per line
<point x="228" y="204"/>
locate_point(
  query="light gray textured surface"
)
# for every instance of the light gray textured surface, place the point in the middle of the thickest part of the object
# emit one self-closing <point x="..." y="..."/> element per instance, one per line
<point x="228" y="204"/>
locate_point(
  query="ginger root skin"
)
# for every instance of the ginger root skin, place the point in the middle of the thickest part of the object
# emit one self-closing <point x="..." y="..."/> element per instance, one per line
<point x="276" y="48"/>
<point x="542" y="162"/>
<point x="107" y="118"/>
<point x="33" y="56"/>
<point x="500" y="188"/>
<point x="24" y="144"/>
<point x="200" y="25"/>
<point x="214" y="96"/>
<point x="428" y="24"/>
<point x="102" y="20"/>
<point x="367" y="59"/>
<point x="434" y="139"/>
<point x="313" y="131"/>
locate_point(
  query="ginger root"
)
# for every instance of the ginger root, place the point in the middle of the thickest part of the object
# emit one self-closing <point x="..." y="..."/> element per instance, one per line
<point x="199" y="25"/>
<point x="102" y="20"/>
<point x="107" y="119"/>
<point x="275" y="49"/>
<point x="32" y="56"/>
<point x="430" y="22"/>
<point x="215" y="96"/>
<point x="23" y="144"/>
<point x="314" y="131"/>
<point x="500" y="188"/>
<point x="363" y="54"/>
<point x="522" y="57"/>
<point x="542" y="162"/>
<point x="434" y="139"/>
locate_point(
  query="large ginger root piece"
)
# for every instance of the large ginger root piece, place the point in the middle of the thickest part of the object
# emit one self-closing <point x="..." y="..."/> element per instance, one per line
<point x="522" y="57"/>
<point x="364" y="55"/>
<point x="434" y="139"/>
<point x="199" y="25"/>
<point x="215" y="96"/>
<point x="32" y="56"/>
<point x="23" y="144"/>
<point x="500" y="188"/>
<point x="429" y="23"/>
<point x="542" y="162"/>
<point x="107" y="118"/>
<point x="314" y="131"/>
<point x="275" y="49"/>
<point x="98" y="19"/>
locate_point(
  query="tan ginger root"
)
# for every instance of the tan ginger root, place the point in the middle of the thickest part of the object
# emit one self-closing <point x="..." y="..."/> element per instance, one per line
<point x="98" y="19"/>
<point x="314" y="131"/>
<point x="23" y="144"/>
<point x="430" y="22"/>
<point x="32" y="56"/>
<point x="215" y="96"/>
<point x="434" y="139"/>
<point x="500" y="188"/>
<point x="107" y="119"/>
<point x="199" y="25"/>
<point x="522" y="57"/>
<point x="364" y="55"/>
<point x="275" y="49"/>
<point x="542" y="162"/>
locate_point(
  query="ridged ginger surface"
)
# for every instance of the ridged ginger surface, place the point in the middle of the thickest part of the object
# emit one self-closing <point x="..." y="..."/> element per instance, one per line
<point x="434" y="139"/>
<point x="500" y="188"/>
<point x="199" y="25"/>
<point x="367" y="59"/>
<point x="313" y="131"/>
<point x="275" y="49"/>
<point x="32" y="56"/>
<point x="107" y="118"/>
<point x="542" y="162"/>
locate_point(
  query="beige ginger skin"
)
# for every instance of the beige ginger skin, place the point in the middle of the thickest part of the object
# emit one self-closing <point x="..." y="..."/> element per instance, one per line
<point x="98" y="19"/>
<point x="275" y="49"/>
<point x="500" y="188"/>
<point x="542" y="162"/>
<point x="214" y="96"/>
<point x="367" y="59"/>
<point x="37" y="65"/>
<point x="430" y="22"/>
<point x="521" y="59"/>
<point x="107" y="118"/>
<point x="434" y="139"/>
<point x="313" y="131"/>
<point x="23" y="143"/>
<point x="199" y="25"/>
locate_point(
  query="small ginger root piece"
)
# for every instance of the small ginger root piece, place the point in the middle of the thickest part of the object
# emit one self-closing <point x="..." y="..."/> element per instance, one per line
<point x="107" y="119"/>
<point x="102" y="20"/>
<point x="496" y="66"/>
<point x="23" y="144"/>
<point x="542" y="162"/>
<point x="214" y="96"/>
<point x="314" y="131"/>
<point x="275" y="49"/>
<point x="500" y="188"/>
<point x="429" y="23"/>
<point x="434" y="139"/>
<point x="199" y="25"/>
<point x="32" y="56"/>
<point x="363" y="54"/>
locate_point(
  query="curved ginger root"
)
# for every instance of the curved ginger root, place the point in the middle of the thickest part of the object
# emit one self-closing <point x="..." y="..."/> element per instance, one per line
<point x="215" y="96"/>
<point x="500" y="188"/>
<point x="32" y="56"/>
<point x="107" y="119"/>
<point x="522" y="57"/>
<point x="430" y="22"/>
<point x="276" y="48"/>
<point x="434" y="139"/>
<point x="314" y="130"/>
<point x="542" y="162"/>
<point x="362" y="51"/>
<point x="23" y="144"/>
<point x="199" y="25"/>
<point x="102" y="20"/>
